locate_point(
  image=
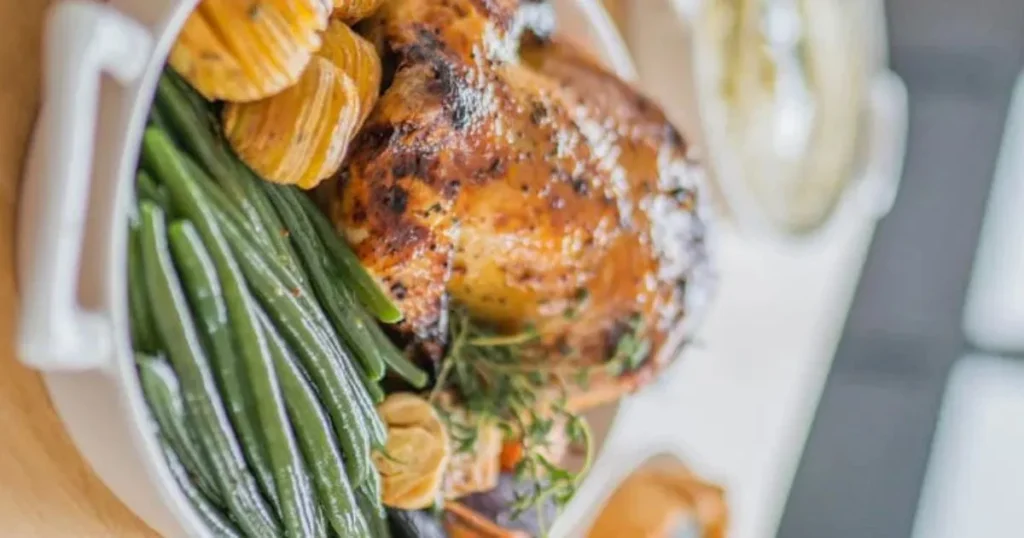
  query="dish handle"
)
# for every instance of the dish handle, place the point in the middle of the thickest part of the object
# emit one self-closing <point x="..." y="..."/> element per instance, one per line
<point x="83" y="41"/>
<point x="889" y="111"/>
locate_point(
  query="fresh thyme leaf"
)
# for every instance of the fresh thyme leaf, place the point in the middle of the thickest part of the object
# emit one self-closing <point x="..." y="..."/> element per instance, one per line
<point x="582" y="378"/>
<point x="498" y="379"/>
<point x="574" y="428"/>
<point x="639" y="354"/>
<point x="630" y="352"/>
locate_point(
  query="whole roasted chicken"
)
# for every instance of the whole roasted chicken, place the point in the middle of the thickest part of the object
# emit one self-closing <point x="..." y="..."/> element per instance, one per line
<point x="505" y="172"/>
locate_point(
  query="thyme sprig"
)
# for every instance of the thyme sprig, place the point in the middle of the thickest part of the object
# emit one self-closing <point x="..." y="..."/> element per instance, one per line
<point x="504" y="379"/>
<point x="499" y="380"/>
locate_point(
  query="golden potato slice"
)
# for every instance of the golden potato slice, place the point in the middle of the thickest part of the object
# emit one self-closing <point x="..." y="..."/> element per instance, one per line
<point x="352" y="11"/>
<point x="337" y="127"/>
<point x="298" y="136"/>
<point x="416" y="454"/>
<point x="357" y="57"/>
<point x="244" y="50"/>
<point x="204" y="60"/>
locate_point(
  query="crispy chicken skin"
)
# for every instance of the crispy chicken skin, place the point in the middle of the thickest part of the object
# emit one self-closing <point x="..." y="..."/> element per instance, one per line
<point x="523" y="182"/>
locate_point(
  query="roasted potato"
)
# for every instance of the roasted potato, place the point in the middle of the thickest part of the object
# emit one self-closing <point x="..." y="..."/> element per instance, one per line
<point x="300" y="135"/>
<point x="237" y="50"/>
<point x="358" y="58"/>
<point x="352" y="11"/>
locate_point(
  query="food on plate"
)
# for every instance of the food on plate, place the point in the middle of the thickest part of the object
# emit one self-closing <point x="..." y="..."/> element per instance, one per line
<point x="663" y="499"/>
<point x="300" y="135"/>
<point x="415" y="457"/>
<point x="527" y="185"/>
<point x="262" y="333"/>
<point x="503" y="236"/>
<point x="357" y="58"/>
<point x="180" y="336"/>
<point x="352" y="11"/>
<point x="242" y="51"/>
<point x="475" y="461"/>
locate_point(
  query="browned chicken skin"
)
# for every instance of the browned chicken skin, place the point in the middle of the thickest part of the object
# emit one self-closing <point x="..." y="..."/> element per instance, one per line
<point x="530" y="186"/>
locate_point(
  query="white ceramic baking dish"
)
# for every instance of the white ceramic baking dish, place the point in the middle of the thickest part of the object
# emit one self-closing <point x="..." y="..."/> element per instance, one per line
<point x="102" y="63"/>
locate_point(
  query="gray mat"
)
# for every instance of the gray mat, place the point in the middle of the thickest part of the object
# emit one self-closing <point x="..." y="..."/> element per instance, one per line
<point x="861" y="472"/>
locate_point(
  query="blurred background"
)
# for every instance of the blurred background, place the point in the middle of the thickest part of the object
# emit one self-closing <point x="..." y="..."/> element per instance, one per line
<point x="859" y="374"/>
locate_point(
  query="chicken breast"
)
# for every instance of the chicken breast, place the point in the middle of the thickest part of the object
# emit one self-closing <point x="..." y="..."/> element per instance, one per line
<point x="512" y="175"/>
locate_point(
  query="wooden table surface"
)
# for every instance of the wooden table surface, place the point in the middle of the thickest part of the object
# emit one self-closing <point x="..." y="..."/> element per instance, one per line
<point x="46" y="489"/>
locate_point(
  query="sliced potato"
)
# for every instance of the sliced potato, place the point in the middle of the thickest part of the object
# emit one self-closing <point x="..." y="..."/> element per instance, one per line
<point x="357" y="57"/>
<point x="298" y="136"/>
<point x="245" y="50"/>
<point x="415" y="457"/>
<point x="352" y="11"/>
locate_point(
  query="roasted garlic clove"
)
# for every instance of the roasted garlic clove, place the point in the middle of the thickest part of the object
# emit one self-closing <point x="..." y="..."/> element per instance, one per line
<point x="357" y="57"/>
<point x="415" y="457"/>
<point x="236" y="50"/>
<point x="352" y="11"/>
<point x="300" y="135"/>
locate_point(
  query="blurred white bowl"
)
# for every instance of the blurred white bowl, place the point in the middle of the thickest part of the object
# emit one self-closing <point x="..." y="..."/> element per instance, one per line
<point x="681" y="64"/>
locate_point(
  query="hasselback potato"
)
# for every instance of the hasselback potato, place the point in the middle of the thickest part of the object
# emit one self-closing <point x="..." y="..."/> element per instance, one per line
<point x="357" y="57"/>
<point x="300" y="135"/>
<point x="238" y="50"/>
<point x="352" y="11"/>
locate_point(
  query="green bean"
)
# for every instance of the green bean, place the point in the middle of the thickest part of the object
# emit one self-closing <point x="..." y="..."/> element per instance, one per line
<point x="315" y="434"/>
<point x="365" y="287"/>
<point x="207" y="298"/>
<point x="366" y="340"/>
<point x="343" y="315"/>
<point x="144" y="336"/>
<point x="157" y="118"/>
<point x="148" y="189"/>
<point x="289" y="305"/>
<point x="227" y="300"/>
<point x="368" y="497"/>
<point x="321" y="358"/>
<point x="365" y="402"/>
<point x="397" y="361"/>
<point x="213" y="519"/>
<point x="203" y="403"/>
<point x="216" y="196"/>
<point x="373" y="390"/>
<point x="198" y="276"/>
<point x="163" y="394"/>
<point x="220" y="202"/>
<point x="190" y="117"/>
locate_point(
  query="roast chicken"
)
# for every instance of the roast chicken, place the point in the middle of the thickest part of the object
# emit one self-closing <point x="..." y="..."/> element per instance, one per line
<point x="505" y="172"/>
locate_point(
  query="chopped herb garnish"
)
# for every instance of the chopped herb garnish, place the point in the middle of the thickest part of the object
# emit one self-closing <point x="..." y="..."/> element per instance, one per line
<point x="500" y="379"/>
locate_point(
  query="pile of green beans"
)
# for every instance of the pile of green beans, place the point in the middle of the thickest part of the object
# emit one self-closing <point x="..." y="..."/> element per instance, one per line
<point x="256" y="340"/>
